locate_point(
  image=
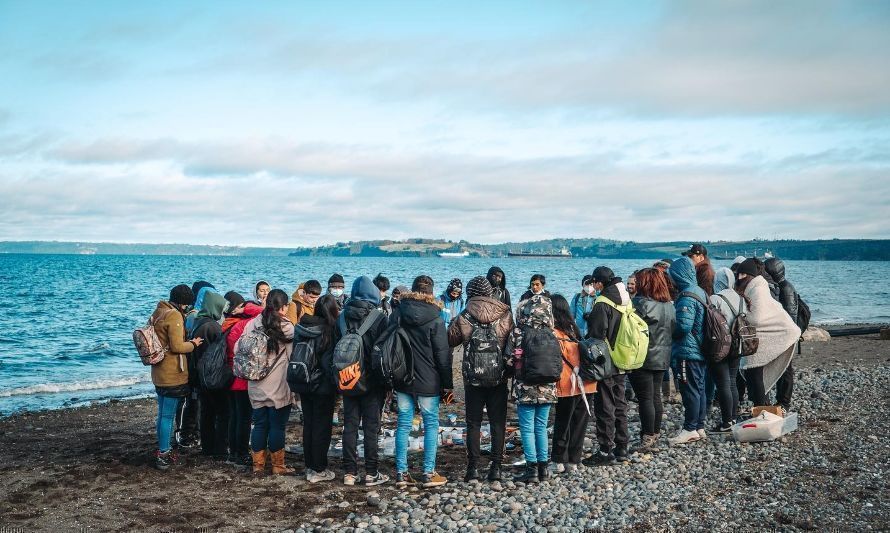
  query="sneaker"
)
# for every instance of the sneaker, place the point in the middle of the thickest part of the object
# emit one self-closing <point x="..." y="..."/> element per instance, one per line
<point x="557" y="468"/>
<point x="720" y="428"/>
<point x="683" y="437"/>
<point x="701" y="434"/>
<point x="621" y="455"/>
<point x="376" y="479"/>
<point x="433" y="479"/>
<point x="403" y="479"/>
<point x="164" y="460"/>
<point x="317" y="477"/>
<point x="571" y="467"/>
<point x="309" y="472"/>
<point x="600" y="458"/>
<point x="349" y="479"/>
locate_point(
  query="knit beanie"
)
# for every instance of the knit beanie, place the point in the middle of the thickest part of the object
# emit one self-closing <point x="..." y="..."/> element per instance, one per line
<point x="455" y="284"/>
<point x="182" y="295"/>
<point x="336" y="278"/>
<point x="749" y="266"/>
<point x="479" y="286"/>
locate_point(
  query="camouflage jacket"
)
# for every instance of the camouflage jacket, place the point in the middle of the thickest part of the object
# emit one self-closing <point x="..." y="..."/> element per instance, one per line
<point x="536" y="312"/>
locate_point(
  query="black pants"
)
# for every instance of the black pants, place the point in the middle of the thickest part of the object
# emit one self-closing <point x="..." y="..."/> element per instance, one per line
<point x="240" y="414"/>
<point x="364" y="410"/>
<point x="756" y="390"/>
<point x="647" y="387"/>
<point x="741" y="385"/>
<point x="214" y="422"/>
<point x="569" y="429"/>
<point x="610" y="407"/>
<point x="785" y="387"/>
<point x="318" y="413"/>
<point x="724" y="375"/>
<point x="495" y="400"/>
<point x="187" y="419"/>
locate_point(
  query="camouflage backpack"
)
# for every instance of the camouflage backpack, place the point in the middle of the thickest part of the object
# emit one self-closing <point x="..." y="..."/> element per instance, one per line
<point x="541" y="359"/>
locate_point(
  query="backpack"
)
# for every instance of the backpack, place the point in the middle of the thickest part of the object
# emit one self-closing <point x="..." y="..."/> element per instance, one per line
<point x="213" y="368"/>
<point x="302" y="365"/>
<point x="716" y="337"/>
<point x="483" y="364"/>
<point x="252" y="361"/>
<point x="349" y="356"/>
<point x="744" y="335"/>
<point x="392" y="361"/>
<point x="541" y="358"/>
<point x="148" y="344"/>
<point x="596" y="361"/>
<point x="632" y="341"/>
<point x="803" y="313"/>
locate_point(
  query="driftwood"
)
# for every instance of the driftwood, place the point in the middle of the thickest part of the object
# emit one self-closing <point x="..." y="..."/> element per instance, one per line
<point x="854" y="330"/>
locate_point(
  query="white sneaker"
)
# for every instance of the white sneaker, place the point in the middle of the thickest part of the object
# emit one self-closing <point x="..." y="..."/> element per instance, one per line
<point x="701" y="434"/>
<point x="327" y="475"/>
<point x="309" y="472"/>
<point x="683" y="437"/>
<point x="349" y="479"/>
<point x="379" y="479"/>
<point x="557" y="468"/>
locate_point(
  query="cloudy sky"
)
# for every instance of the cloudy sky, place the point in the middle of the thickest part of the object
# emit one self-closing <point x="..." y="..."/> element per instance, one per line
<point x="300" y="123"/>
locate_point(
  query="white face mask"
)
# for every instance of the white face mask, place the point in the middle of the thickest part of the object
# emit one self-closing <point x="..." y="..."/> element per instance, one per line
<point x="336" y="293"/>
<point x="537" y="291"/>
<point x="589" y="289"/>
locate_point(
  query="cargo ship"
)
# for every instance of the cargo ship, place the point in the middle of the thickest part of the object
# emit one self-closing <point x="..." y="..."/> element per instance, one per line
<point x="564" y="253"/>
<point x="454" y="255"/>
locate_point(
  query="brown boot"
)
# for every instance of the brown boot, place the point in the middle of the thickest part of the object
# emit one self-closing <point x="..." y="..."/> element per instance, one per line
<point x="278" y="466"/>
<point x="259" y="461"/>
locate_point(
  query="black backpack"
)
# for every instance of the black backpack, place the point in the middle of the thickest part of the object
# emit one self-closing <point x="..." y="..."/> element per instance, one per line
<point x="744" y="335"/>
<point x="303" y="365"/>
<point x="213" y="368"/>
<point x="483" y="364"/>
<point x="716" y="337"/>
<point x="596" y="361"/>
<point x="392" y="361"/>
<point x="803" y="313"/>
<point x="349" y="356"/>
<point x="541" y="356"/>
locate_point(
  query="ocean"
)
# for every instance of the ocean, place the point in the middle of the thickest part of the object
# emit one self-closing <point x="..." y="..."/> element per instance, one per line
<point x="66" y="321"/>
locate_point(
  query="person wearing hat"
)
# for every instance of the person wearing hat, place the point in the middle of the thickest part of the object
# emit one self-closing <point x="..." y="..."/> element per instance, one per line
<point x="213" y="405"/>
<point x="171" y="375"/>
<point x="610" y="403"/>
<point x="704" y="272"/>
<point x="452" y="300"/>
<point x="582" y="303"/>
<point x="483" y="311"/>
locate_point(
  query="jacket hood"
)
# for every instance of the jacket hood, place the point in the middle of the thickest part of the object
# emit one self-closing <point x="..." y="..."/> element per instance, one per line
<point x="363" y="289"/>
<point x="775" y="268"/>
<point x="418" y="308"/>
<point x="617" y="292"/>
<point x="213" y="305"/>
<point x="202" y="294"/>
<point x="309" y="327"/>
<point x="492" y="270"/>
<point x="682" y="272"/>
<point x="251" y="310"/>
<point x="723" y="279"/>
<point x="485" y="309"/>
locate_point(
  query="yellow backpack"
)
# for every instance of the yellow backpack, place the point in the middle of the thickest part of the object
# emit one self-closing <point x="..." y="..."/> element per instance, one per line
<point x="632" y="341"/>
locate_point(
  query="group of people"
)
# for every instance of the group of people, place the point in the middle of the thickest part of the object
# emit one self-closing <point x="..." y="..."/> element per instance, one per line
<point x="245" y="422"/>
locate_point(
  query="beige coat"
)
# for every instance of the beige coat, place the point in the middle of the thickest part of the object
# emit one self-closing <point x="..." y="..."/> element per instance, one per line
<point x="173" y="370"/>
<point x="273" y="390"/>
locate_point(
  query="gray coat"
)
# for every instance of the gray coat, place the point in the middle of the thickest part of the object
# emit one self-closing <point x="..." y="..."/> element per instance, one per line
<point x="661" y="318"/>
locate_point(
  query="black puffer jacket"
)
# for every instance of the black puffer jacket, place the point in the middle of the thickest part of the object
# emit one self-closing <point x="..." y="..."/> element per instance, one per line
<point x="420" y="316"/>
<point x="311" y="328"/>
<point x="499" y="291"/>
<point x="355" y="312"/>
<point x="603" y="320"/>
<point x="661" y="318"/>
<point x="787" y="293"/>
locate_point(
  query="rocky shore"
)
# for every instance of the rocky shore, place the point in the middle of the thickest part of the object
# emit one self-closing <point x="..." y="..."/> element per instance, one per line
<point x="88" y="469"/>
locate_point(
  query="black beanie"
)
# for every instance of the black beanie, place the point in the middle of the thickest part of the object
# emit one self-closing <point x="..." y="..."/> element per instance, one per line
<point x="234" y="300"/>
<point x="479" y="286"/>
<point x="336" y="278"/>
<point x="749" y="266"/>
<point x="603" y="274"/>
<point x="198" y="285"/>
<point x="182" y="295"/>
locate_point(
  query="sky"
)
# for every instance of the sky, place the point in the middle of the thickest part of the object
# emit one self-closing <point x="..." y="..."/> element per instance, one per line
<point x="304" y="123"/>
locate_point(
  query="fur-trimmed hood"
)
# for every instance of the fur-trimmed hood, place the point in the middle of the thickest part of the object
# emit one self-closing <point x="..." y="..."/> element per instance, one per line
<point x="417" y="308"/>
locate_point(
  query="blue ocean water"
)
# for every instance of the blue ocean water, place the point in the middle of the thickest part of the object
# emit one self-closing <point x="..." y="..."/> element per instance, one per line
<point x="66" y="320"/>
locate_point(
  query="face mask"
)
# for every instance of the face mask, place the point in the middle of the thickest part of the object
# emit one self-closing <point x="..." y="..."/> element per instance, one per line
<point x="590" y="289"/>
<point x="537" y="291"/>
<point x="336" y="293"/>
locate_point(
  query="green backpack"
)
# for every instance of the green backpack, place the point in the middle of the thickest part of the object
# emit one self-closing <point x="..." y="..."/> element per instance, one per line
<point x="632" y="341"/>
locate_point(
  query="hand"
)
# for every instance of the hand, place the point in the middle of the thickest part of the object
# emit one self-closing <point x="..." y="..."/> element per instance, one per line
<point x="198" y="341"/>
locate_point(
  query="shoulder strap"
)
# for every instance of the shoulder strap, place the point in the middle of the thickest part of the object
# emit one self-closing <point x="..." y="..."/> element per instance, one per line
<point x="369" y="321"/>
<point x="341" y="323"/>
<point x="567" y="363"/>
<point x="694" y="297"/>
<point x="731" y="308"/>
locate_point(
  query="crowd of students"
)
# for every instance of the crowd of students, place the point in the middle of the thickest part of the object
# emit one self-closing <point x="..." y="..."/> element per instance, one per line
<point x="244" y="423"/>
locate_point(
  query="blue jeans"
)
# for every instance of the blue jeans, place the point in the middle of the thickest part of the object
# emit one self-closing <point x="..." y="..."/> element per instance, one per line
<point x="268" y="428"/>
<point x="693" y="394"/>
<point x="429" y="411"/>
<point x="167" y="408"/>
<point x="533" y="429"/>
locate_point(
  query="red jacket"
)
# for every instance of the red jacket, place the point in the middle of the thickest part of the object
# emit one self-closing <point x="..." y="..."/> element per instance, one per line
<point x="235" y="326"/>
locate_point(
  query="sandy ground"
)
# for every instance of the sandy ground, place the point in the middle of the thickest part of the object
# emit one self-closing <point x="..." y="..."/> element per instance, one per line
<point x="89" y="468"/>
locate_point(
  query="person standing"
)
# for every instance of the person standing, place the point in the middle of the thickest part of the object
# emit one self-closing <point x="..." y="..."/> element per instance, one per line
<point x="535" y="287"/>
<point x="214" y="404"/>
<point x="574" y="396"/>
<point x="610" y="401"/>
<point x="260" y="292"/>
<point x="788" y="298"/>
<point x="171" y="376"/>
<point x="452" y="300"/>
<point x="498" y="281"/>
<point x="382" y="283"/>
<point x="582" y="304"/>
<point x="303" y="301"/>
<point x="724" y="372"/>
<point x="419" y="316"/>
<point x="484" y="320"/>
<point x="653" y="304"/>
<point x="337" y="289"/>
<point x="239" y="313"/>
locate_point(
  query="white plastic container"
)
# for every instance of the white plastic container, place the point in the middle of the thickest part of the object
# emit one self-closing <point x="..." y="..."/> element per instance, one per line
<point x="765" y="427"/>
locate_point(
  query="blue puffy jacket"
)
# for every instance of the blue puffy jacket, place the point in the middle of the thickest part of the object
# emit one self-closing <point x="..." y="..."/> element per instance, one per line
<point x="689" y="331"/>
<point x="450" y="308"/>
<point x="581" y="305"/>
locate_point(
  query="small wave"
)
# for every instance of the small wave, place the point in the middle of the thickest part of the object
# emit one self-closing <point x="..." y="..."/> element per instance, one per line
<point x="51" y="388"/>
<point x="101" y="347"/>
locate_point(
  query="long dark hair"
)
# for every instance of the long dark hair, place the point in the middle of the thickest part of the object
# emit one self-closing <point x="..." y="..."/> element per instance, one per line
<point x="275" y="300"/>
<point x="562" y="317"/>
<point x="327" y="310"/>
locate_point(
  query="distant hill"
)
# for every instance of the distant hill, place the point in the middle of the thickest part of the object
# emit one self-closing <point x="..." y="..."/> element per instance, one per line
<point x="821" y="250"/>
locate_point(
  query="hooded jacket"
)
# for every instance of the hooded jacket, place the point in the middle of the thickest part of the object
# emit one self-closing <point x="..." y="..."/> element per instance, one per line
<point x="724" y="289"/>
<point x="484" y="310"/>
<point x="450" y="307"/>
<point x="298" y="307"/>
<point x="234" y="328"/>
<point x="787" y="294"/>
<point x="419" y="316"/>
<point x="311" y="328"/>
<point x="499" y="291"/>
<point x="535" y="312"/>
<point x="689" y="331"/>
<point x="172" y="371"/>
<point x="273" y="390"/>
<point x="603" y="319"/>
<point x="207" y="323"/>
<point x="191" y="318"/>
<point x="364" y="298"/>
<point x="582" y="305"/>
<point x="776" y="332"/>
<point x="662" y="319"/>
